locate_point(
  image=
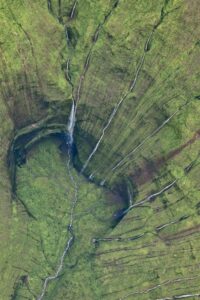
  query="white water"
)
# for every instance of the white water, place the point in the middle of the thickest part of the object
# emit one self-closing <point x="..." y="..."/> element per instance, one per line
<point x="73" y="9"/>
<point x="102" y="135"/>
<point x="147" y="138"/>
<point x="180" y="297"/>
<point x="49" y="5"/>
<point x="115" y="110"/>
<point x="130" y="197"/>
<point x="143" y="142"/>
<point x="59" y="269"/>
<point x="71" y="125"/>
<point x="150" y="197"/>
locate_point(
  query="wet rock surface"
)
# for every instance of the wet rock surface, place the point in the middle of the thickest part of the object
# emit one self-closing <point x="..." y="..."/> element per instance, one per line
<point x="99" y="135"/>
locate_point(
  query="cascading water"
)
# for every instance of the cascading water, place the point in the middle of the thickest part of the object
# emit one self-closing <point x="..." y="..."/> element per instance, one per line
<point x="71" y="124"/>
<point x="69" y="142"/>
<point x="73" y="10"/>
<point x="117" y="106"/>
<point x="132" y="86"/>
<point x="124" y="159"/>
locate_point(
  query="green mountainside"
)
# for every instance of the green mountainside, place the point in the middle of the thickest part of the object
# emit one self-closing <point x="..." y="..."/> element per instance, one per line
<point x="114" y="212"/>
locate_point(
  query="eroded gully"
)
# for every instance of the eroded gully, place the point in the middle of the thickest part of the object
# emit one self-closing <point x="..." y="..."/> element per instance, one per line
<point x="69" y="142"/>
<point x="70" y="241"/>
<point x="123" y="98"/>
<point x="69" y="139"/>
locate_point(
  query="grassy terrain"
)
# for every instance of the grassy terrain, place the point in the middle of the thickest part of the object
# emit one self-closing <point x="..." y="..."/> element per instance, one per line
<point x="49" y="55"/>
<point x="45" y="189"/>
<point x="30" y="79"/>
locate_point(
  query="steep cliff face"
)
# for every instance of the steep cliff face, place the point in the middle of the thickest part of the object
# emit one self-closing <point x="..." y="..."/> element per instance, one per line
<point x="131" y="70"/>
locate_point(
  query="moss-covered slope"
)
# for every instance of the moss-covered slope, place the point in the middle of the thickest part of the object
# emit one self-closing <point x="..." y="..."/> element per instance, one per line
<point x="132" y="69"/>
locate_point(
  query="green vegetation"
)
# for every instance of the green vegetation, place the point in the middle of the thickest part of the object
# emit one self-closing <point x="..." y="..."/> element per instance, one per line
<point x="92" y="52"/>
<point x="46" y="191"/>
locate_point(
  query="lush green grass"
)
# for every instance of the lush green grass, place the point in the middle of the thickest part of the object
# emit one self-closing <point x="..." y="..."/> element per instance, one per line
<point x="32" y="52"/>
<point x="159" y="261"/>
<point x="45" y="188"/>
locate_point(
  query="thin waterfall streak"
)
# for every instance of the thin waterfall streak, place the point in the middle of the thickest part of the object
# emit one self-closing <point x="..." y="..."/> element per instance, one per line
<point x="102" y="182"/>
<point x="150" y="197"/>
<point x="79" y="89"/>
<point x="149" y="40"/>
<point x="179" y="297"/>
<point x="55" y="276"/>
<point x="115" y="110"/>
<point x="75" y="193"/>
<point x="87" y="60"/>
<point x="141" y="61"/>
<point x="148" y="137"/>
<point x="162" y="284"/>
<point x="123" y="98"/>
<point x="144" y="141"/>
<point x="137" y="72"/>
<point x="103" y="132"/>
<point x="130" y="197"/>
<point x="68" y="72"/>
<point x="73" y="10"/>
<point x="71" y="125"/>
<point x="86" y="65"/>
<point x="91" y="176"/>
<point x="70" y="230"/>
<point x="96" y="34"/>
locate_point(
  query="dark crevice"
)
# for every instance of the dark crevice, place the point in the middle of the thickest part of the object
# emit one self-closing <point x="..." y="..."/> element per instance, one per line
<point x="49" y="5"/>
<point x="88" y="57"/>
<point x="126" y="94"/>
<point x="60" y="18"/>
<point x="31" y="45"/>
<point x="72" y="36"/>
<point x="73" y="11"/>
<point x="26" y="138"/>
<point x="28" y="212"/>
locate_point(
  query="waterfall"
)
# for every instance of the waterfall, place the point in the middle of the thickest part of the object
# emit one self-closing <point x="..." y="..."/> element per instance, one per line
<point x="151" y="197"/>
<point x="71" y="123"/>
<point x="59" y="269"/>
<point x="70" y="127"/>
<point x="147" y="138"/>
<point x="117" y="106"/>
<point x="49" y="5"/>
<point x="73" y="10"/>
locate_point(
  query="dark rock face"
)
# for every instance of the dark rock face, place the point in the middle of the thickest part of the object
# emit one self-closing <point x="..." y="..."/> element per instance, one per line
<point x="131" y="69"/>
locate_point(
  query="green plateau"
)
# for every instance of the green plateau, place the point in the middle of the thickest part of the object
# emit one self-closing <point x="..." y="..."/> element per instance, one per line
<point x="99" y="149"/>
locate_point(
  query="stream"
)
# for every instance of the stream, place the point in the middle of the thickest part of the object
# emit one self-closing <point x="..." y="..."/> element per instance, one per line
<point x="132" y="86"/>
<point x="69" y="143"/>
<point x="70" y="136"/>
<point x="70" y="241"/>
<point x="117" y="106"/>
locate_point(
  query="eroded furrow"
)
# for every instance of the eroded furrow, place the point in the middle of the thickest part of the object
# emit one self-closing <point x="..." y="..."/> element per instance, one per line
<point x="115" y="110"/>
<point x="95" y="38"/>
<point x="126" y="158"/>
<point x="70" y="241"/>
<point x="132" y="86"/>
<point x="168" y="282"/>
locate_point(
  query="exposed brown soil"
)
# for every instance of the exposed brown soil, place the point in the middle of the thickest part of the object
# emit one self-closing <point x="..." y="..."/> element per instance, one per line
<point x="182" y="234"/>
<point x="149" y="169"/>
